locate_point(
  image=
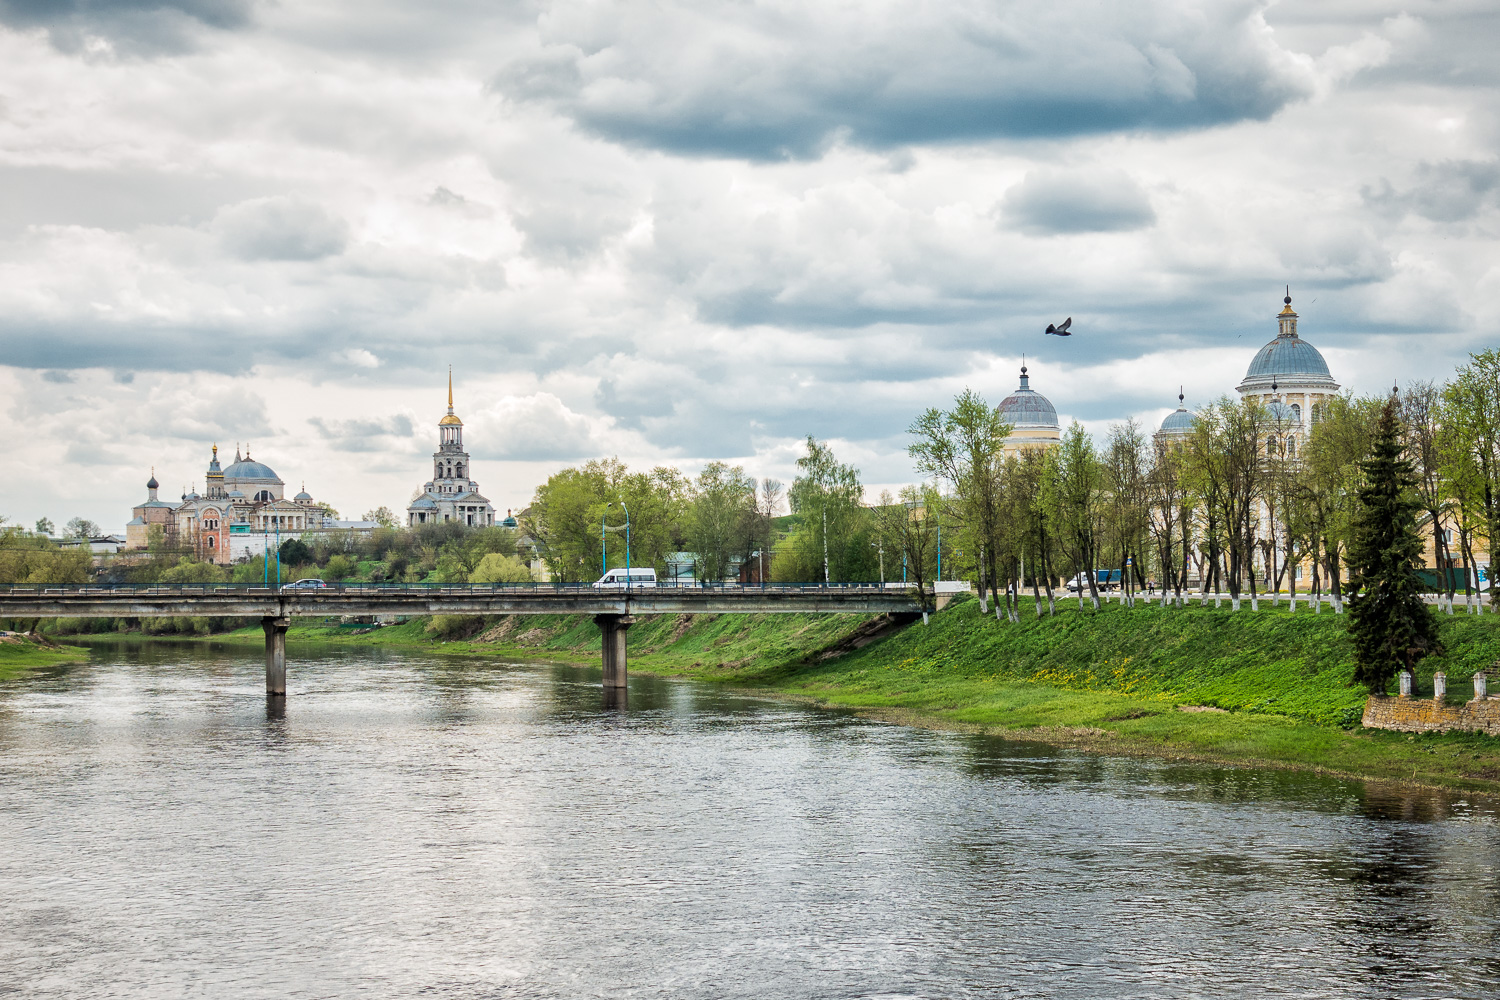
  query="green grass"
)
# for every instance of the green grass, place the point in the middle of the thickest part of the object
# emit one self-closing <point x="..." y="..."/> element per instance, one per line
<point x="1114" y="680"/>
<point x="16" y="657"/>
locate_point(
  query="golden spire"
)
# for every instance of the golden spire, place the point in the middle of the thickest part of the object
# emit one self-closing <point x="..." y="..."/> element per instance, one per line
<point x="216" y="450"/>
<point x="450" y="388"/>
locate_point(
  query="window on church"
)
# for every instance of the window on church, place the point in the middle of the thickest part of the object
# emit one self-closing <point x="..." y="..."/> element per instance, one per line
<point x="1271" y="446"/>
<point x="1297" y="412"/>
<point x="1291" y="447"/>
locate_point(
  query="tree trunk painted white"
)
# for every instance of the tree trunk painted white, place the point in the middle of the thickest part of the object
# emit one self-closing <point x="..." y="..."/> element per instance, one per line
<point x="1254" y="602"/>
<point x="1234" y="603"/>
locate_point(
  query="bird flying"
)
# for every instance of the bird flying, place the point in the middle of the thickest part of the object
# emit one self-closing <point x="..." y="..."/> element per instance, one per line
<point x="1061" y="331"/>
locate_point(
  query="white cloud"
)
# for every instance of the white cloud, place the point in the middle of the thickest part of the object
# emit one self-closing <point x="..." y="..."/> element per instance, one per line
<point x="288" y="229"/>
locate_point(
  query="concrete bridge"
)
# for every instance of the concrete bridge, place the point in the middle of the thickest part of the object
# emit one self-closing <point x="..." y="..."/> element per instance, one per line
<point x="612" y="610"/>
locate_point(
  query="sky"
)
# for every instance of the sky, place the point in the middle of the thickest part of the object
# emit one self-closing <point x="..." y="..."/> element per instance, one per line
<point x="679" y="232"/>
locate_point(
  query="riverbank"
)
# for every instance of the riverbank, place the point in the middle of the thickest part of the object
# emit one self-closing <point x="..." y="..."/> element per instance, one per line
<point x="1266" y="688"/>
<point x="20" y="653"/>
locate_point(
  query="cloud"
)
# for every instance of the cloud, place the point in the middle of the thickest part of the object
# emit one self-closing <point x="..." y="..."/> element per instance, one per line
<point x="280" y="228"/>
<point x="1448" y="191"/>
<point x="1079" y="201"/>
<point x="364" y="435"/>
<point x="782" y="79"/>
<point x="137" y="27"/>
<point x="536" y="426"/>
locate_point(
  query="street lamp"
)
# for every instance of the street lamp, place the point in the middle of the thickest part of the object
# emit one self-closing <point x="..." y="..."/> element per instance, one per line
<point x="880" y="544"/>
<point x="627" y="537"/>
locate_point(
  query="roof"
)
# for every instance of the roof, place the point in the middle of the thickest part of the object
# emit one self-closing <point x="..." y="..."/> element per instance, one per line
<point x="1288" y="356"/>
<point x="423" y="501"/>
<point x="1179" y="421"/>
<point x="253" y="471"/>
<point x="450" y="421"/>
<point x="1028" y="408"/>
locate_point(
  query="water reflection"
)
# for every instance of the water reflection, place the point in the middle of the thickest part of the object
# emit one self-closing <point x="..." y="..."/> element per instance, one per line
<point x="407" y="825"/>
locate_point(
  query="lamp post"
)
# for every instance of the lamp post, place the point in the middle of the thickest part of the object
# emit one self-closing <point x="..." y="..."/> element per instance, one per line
<point x="627" y="543"/>
<point x="603" y="545"/>
<point x="880" y="544"/>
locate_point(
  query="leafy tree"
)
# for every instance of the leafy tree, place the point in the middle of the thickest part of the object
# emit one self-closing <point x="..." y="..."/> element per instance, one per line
<point x="720" y="517"/>
<point x="826" y="495"/>
<point x="961" y="447"/>
<point x="1072" y="489"/>
<point x="498" y="568"/>
<point x="192" y="571"/>
<point x="383" y="516"/>
<point x="295" y="552"/>
<point x="340" y="567"/>
<point x="80" y="527"/>
<point x="44" y="525"/>
<point x="1390" y="625"/>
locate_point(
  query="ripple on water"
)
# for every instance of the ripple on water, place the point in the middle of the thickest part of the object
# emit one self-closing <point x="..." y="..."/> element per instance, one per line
<point x="448" y="828"/>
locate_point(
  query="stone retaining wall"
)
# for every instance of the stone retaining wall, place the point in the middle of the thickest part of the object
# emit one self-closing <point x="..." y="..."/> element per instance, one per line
<point x="1427" y="715"/>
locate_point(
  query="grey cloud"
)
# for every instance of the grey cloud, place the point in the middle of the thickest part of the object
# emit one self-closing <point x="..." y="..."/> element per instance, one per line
<point x="141" y="27"/>
<point x="1449" y="191"/>
<point x="374" y="435"/>
<point x="761" y="83"/>
<point x="60" y="378"/>
<point x="119" y="199"/>
<point x="280" y="228"/>
<point x="1090" y="201"/>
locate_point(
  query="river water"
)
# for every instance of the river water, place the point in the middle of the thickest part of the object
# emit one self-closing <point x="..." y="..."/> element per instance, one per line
<point x="413" y="826"/>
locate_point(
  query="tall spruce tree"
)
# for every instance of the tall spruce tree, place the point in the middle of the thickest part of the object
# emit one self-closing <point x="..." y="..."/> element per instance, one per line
<point x="1391" y="627"/>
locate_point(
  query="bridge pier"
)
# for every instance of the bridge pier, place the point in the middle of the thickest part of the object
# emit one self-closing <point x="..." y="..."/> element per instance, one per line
<point x="275" y="629"/>
<point x="612" y="630"/>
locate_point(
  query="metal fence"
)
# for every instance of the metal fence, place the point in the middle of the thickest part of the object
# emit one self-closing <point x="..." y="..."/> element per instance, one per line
<point x="435" y="589"/>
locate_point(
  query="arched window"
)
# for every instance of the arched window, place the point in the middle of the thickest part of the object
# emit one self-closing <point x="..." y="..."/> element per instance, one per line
<point x="1291" y="447"/>
<point x="458" y="470"/>
<point x="1297" y="412"/>
<point x="1271" y="446"/>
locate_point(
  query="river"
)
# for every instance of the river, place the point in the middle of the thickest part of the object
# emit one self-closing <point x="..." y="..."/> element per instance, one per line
<point x="418" y="826"/>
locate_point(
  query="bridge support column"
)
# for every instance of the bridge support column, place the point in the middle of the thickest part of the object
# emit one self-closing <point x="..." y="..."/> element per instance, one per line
<point x="612" y="630"/>
<point x="275" y="629"/>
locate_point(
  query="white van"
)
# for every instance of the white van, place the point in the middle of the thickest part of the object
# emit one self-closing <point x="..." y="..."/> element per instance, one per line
<point x="617" y="579"/>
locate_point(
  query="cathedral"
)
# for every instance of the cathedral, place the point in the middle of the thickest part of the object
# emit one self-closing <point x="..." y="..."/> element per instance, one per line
<point x="450" y="495"/>
<point x="242" y="512"/>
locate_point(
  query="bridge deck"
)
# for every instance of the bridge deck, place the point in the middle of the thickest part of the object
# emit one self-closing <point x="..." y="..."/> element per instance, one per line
<point x="155" y="600"/>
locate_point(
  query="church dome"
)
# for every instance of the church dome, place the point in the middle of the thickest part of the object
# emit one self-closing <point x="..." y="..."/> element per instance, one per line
<point x="1288" y="361"/>
<point x="1028" y="408"/>
<point x="450" y="421"/>
<point x="1179" y="421"/>
<point x="304" y="496"/>
<point x="151" y="483"/>
<point x="248" y="471"/>
<point x="1288" y="358"/>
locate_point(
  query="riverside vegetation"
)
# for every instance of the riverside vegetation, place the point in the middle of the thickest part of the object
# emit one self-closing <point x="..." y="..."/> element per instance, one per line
<point x="1264" y="688"/>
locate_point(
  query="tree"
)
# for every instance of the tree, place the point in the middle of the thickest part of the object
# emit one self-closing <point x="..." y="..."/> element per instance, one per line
<point x="827" y="496"/>
<point x="44" y="526"/>
<point x="1390" y="625"/>
<point x="961" y="447"/>
<point x="1072" y="487"/>
<point x="718" y="516"/>
<point x="498" y="568"/>
<point x="382" y="516"/>
<point x="294" y="552"/>
<point x="80" y="527"/>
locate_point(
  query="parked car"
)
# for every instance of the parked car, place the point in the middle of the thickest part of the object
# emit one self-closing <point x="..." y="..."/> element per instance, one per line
<point x="311" y="583"/>
<point x="619" y="579"/>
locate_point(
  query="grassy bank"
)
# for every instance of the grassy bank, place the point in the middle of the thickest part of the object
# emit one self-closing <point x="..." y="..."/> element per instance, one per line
<point x="1264" y="688"/>
<point x="19" y="653"/>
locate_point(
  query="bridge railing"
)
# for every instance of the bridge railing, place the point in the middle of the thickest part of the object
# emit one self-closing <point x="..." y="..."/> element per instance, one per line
<point x="426" y="589"/>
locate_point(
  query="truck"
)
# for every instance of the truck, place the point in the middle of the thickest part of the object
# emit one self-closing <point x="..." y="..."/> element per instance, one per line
<point x="1104" y="579"/>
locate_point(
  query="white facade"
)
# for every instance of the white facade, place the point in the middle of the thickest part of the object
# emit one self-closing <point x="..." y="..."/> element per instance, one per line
<point x="451" y="495"/>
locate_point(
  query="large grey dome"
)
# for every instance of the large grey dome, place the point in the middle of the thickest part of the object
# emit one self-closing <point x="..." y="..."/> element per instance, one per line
<point x="252" y="471"/>
<point x="1179" y="421"/>
<point x="1288" y="356"/>
<point x="1028" y="408"/>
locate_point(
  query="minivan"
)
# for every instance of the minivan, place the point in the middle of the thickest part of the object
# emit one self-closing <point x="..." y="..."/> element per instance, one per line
<point x="619" y="579"/>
